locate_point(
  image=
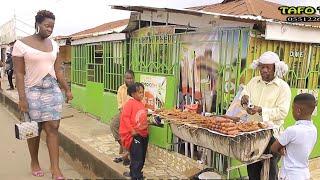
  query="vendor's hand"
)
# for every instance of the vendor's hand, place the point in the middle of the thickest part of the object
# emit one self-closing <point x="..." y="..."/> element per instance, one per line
<point x="283" y="151"/>
<point x="244" y="100"/>
<point x="254" y="110"/>
<point x="69" y="96"/>
<point x="23" y="105"/>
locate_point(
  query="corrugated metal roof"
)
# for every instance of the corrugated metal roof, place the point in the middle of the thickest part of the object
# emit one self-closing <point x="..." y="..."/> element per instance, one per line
<point x="103" y="27"/>
<point x="106" y="28"/>
<point x="261" y="8"/>
<point x="265" y="9"/>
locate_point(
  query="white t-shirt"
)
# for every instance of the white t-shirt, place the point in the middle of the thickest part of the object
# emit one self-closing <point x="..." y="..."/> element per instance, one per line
<point x="299" y="141"/>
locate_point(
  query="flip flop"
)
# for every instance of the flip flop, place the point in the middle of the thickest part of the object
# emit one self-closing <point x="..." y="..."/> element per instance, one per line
<point x="118" y="159"/>
<point x="58" y="178"/>
<point x="38" y="173"/>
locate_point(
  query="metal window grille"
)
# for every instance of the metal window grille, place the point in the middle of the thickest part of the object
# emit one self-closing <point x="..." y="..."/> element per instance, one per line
<point x="95" y="63"/>
<point x="154" y="54"/>
<point x="79" y="65"/>
<point x="115" y="64"/>
<point x="104" y="63"/>
<point x="232" y="62"/>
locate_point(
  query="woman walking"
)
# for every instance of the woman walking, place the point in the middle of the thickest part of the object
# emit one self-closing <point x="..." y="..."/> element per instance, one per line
<point x="38" y="73"/>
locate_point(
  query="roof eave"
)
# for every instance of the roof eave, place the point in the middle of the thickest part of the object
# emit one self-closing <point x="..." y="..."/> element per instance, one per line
<point x="244" y="18"/>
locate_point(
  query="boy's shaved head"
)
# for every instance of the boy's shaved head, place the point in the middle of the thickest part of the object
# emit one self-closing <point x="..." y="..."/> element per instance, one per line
<point x="306" y="102"/>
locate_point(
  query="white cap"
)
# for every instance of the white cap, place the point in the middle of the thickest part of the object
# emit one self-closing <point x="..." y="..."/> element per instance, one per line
<point x="269" y="57"/>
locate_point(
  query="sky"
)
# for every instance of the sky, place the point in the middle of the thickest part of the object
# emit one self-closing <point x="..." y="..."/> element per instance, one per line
<point x="76" y="15"/>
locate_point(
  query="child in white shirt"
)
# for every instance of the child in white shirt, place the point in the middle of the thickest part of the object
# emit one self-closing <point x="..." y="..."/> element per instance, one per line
<point x="297" y="141"/>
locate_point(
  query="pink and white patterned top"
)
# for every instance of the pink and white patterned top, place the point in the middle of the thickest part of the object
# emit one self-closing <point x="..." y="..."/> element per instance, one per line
<point x="37" y="63"/>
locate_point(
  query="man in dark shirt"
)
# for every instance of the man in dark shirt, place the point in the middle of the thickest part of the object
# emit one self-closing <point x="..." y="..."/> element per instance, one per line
<point x="9" y="68"/>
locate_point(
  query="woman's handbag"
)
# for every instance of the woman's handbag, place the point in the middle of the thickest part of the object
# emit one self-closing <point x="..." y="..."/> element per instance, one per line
<point x="27" y="129"/>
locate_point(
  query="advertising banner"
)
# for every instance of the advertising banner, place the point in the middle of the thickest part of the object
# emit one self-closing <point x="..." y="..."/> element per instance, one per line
<point x="155" y="91"/>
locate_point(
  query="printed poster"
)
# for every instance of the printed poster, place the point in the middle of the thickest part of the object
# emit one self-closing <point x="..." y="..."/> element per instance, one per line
<point x="199" y="67"/>
<point x="155" y="91"/>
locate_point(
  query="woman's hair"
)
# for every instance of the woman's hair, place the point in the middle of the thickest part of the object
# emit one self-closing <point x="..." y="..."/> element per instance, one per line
<point x="43" y="14"/>
<point x="134" y="88"/>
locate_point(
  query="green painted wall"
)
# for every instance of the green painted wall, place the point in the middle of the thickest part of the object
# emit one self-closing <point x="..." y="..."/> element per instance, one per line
<point x="110" y="106"/>
<point x="94" y="100"/>
<point x="79" y="97"/>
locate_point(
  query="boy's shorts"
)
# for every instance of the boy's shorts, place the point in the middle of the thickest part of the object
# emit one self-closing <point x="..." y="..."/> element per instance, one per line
<point x="114" y="126"/>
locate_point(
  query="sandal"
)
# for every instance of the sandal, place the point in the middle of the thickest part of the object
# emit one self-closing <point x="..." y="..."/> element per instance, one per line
<point x="38" y="173"/>
<point x="126" y="162"/>
<point x="118" y="159"/>
<point x="58" y="178"/>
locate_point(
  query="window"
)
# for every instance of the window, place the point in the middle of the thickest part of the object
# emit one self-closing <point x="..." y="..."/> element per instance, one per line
<point x="115" y="55"/>
<point x="79" y="65"/>
<point x="95" y="63"/>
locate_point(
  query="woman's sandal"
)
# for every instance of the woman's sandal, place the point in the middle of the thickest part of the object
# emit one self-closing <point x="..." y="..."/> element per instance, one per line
<point x="38" y="173"/>
<point x="58" y="178"/>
